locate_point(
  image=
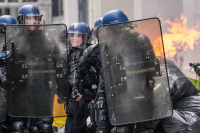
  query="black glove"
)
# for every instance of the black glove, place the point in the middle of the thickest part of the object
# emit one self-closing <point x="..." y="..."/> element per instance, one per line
<point x="74" y="93"/>
<point x="71" y="107"/>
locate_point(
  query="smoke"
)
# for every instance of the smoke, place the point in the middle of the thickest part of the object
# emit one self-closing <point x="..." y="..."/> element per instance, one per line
<point x="163" y="9"/>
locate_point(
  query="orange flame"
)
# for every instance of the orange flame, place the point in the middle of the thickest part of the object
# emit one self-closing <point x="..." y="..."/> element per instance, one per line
<point x="157" y="47"/>
<point x="179" y="38"/>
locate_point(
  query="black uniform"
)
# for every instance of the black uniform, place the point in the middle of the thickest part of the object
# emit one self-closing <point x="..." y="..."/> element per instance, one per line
<point x="91" y="57"/>
<point x="87" y="81"/>
<point x="3" y="84"/>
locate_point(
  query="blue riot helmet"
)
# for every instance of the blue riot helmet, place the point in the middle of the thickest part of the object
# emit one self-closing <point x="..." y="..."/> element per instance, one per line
<point x="5" y="20"/>
<point x="87" y="27"/>
<point x="31" y="13"/>
<point x="77" y="35"/>
<point x="117" y="16"/>
<point x="114" y="16"/>
<point x="108" y="32"/>
<point x="88" y="30"/>
<point x="4" y="53"/>
<point x="97" y="23"/>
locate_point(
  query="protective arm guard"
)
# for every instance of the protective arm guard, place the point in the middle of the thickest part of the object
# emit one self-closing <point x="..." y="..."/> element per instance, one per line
<point x="100" y="109"/>
<point x="89" y="58"/>
<point x="101" y="113"/>
<point x="180" y="85"/>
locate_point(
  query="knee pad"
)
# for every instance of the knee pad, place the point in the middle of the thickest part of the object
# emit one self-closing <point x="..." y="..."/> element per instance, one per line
<point x="45" y="128"/>
<point x="33" y="130"/>
<point x="121" y="130"/>
<point x="18" y="127"/>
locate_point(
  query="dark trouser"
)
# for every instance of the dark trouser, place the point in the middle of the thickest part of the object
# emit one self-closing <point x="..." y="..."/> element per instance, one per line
<point x="103" y="126"/>
<point x="1" y="124"/>
<point x="140" y="127"/>
<point x="41" y="125"/>
<point x="38" y="121"/>
<point x="143" y="126"/>
<point x="80" y="126"/>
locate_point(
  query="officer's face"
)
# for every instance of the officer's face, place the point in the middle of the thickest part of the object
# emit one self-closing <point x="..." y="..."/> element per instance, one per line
<point x="32" y="20"/>
<point x="105" y="36"/>
<point x="75" y="39"/>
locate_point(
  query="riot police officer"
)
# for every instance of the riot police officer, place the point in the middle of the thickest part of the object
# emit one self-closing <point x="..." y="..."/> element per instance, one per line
<point x="89" y="38"/>
<point x="30" y="15"/>
<point x="4" y="20"/>
<point x="97" y="23"/>
<point x="76" y="118"/>
<point x="91" y="57"/>
<point x="130" y="40"/>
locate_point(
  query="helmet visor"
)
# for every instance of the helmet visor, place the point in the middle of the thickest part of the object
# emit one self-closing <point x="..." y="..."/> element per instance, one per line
<point x="33" y="18"/>
<point x="94" y="38"/>
<point x="77" y="40"/>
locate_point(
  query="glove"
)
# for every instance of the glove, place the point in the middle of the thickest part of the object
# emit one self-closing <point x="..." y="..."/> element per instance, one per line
<point x="71" y="107"/>
<point x="74" y="93"/>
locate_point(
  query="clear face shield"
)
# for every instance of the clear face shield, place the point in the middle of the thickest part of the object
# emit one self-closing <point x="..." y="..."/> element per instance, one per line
<point x="93" y="39"/>
<point x="104" y="34"/>
<point x="30" y="19"/>
<point x="77" y="40"/>
<point x="107" y="32"/>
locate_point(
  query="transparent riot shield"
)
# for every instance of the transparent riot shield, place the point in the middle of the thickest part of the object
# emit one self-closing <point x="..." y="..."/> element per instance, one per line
<point x="134" y="69"/>
<point x="2" y="91"/>
<point x="36" y="70"/>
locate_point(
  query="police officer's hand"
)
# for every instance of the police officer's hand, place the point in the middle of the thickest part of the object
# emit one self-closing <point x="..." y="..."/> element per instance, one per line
<point x="79" y="97"/>
<point x="75" y="94"/>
